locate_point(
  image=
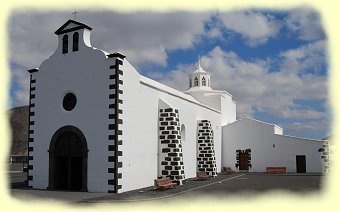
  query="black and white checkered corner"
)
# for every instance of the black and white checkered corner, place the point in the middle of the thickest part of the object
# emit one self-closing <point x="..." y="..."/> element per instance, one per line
<point x="325" y="156"/>
<point x="114" y="126"/>
<point x="171" y="145"/>
<point x="206" y="160"/>
<point x="31" y="124"/>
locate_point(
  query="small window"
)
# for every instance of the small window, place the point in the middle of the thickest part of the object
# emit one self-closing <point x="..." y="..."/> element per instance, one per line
<point x="69" y="102"/>
<point x="65" y="44"/>
<point x="183" y="133"/>
<point x="75" y="41"/>
<point x="203" y="81"/>
<point x="190" y="84"/>
<point x="196" y="82"/>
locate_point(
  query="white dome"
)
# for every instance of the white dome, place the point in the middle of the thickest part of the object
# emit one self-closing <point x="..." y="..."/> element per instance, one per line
<point x="199" y="69"/>
<point x="199" y="79"/>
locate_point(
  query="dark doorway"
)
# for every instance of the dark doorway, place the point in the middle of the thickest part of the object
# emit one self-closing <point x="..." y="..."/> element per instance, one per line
<point x="244" y="161"/>
<point x="68" y="160"/>
<point x="301" y="163"/>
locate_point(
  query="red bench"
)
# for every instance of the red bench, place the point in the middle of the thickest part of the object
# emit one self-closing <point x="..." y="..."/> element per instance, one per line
<point x="164" y="183"/>
<point x="228" y="170"/>
<point x="276" y="170"/>
<point x="202" y="175"/>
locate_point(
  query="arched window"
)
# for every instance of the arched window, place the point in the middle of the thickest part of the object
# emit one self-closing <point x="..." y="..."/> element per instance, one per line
<point x="183" y="133"/>
<point x="65" y="44"/>
<point x="196" y="82"/>
<point x="75" y="41"/>
<point x="203" y="81"/>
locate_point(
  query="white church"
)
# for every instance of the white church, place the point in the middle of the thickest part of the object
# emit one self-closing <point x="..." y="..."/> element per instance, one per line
<point x="97" y="125"/>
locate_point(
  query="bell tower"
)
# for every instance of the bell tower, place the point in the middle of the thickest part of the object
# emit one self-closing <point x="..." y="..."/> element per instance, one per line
<point x="73" y="36"/>
<point x="200" y="89"/>
<point x="199" y="79"/>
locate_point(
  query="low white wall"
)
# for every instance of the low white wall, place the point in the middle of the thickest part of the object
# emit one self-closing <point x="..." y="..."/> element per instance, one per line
<point x="267" y="148"/>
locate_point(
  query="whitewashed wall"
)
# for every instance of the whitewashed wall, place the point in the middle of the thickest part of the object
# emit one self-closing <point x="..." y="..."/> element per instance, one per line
<point x="84" y="73"/>
<point x="228" y="109"/>
<point x="140" y="130"/>
<point x="219" y="100"/>
<point x="260" y="138"/>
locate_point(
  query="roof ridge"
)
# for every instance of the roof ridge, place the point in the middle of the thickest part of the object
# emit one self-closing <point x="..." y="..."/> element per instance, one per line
<point x="81" y="26"/>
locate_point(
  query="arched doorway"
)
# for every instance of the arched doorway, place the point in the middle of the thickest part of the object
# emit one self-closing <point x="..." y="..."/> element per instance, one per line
<point x="68" y="160"/>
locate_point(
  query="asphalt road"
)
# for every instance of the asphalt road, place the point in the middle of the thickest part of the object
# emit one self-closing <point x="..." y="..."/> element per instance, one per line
<point x="221" y="186"/>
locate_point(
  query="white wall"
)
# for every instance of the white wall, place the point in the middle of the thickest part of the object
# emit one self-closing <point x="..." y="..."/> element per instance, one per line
<point x="260" y="138"/>
<point x="228" y="109"/>
<point x="278" y="130"/>
<point x="140" y="130"/>
<point x="219" y="100"/>
<point x="84" y="73"/>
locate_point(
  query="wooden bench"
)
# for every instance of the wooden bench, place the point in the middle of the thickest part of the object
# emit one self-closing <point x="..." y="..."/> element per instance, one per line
<point x="228" y="170"/>
<point x="164" y="183"/>
<point x="276" y="170"/>
<point x="202" y="175"/>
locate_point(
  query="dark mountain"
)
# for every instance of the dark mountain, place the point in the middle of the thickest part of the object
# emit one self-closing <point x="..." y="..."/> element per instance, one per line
<point x="18" y="118"/>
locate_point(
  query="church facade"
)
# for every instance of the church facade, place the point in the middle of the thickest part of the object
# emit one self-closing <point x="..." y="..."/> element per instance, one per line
<point x="97" y="125"/>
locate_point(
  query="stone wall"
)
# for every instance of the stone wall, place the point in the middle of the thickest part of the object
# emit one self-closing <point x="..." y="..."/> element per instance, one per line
<point x="171" y="145"/>
<point x="206" y="160"/>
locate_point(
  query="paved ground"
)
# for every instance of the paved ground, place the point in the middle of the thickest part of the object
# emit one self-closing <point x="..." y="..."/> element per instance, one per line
<point x="222" y="185"/>
<point x="19" y="191"/>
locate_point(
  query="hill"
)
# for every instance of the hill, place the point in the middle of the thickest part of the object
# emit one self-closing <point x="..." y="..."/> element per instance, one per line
<point x="18" y="118"/>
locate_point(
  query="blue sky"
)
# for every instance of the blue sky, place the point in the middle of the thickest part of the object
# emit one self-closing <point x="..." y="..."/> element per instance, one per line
<point x="274" y="63"/>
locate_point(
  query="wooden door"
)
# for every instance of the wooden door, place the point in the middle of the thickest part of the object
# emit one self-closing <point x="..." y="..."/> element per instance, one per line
<point x="301" y="163"/>
<point x="244" y="165"/>
<point x="68" y="162"/>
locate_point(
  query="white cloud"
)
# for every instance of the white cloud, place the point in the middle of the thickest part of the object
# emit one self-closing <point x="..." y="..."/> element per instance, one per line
<point x="307" y="126"/>
<point x="150" y="56"/>
<point x="301" y="113"/>
<point x="177" y="78"/>
<point x="32" y="38"/>
<point x="147" y="37"/>
<point x="255" y="27"/>
<point x="306" y="23"/>
<point x="254" y="87"/>
<point x="308" y="57"/>
<point x="215" y="32"/>
<point x="143" y="37"/>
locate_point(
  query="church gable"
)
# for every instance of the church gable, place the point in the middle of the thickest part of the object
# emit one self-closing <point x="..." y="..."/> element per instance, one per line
<point x="71" y="25"/>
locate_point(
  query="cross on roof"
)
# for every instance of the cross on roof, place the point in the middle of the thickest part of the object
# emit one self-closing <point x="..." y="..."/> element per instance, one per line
<point x="75" y="14"/>
<point x="199" y="61"/>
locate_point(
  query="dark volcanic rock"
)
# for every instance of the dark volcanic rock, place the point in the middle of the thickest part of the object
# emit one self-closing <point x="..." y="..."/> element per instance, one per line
<point x="18" y="118"/>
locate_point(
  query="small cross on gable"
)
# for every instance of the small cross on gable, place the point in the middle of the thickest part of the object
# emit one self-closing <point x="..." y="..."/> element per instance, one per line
<point x="75" y="14"/>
